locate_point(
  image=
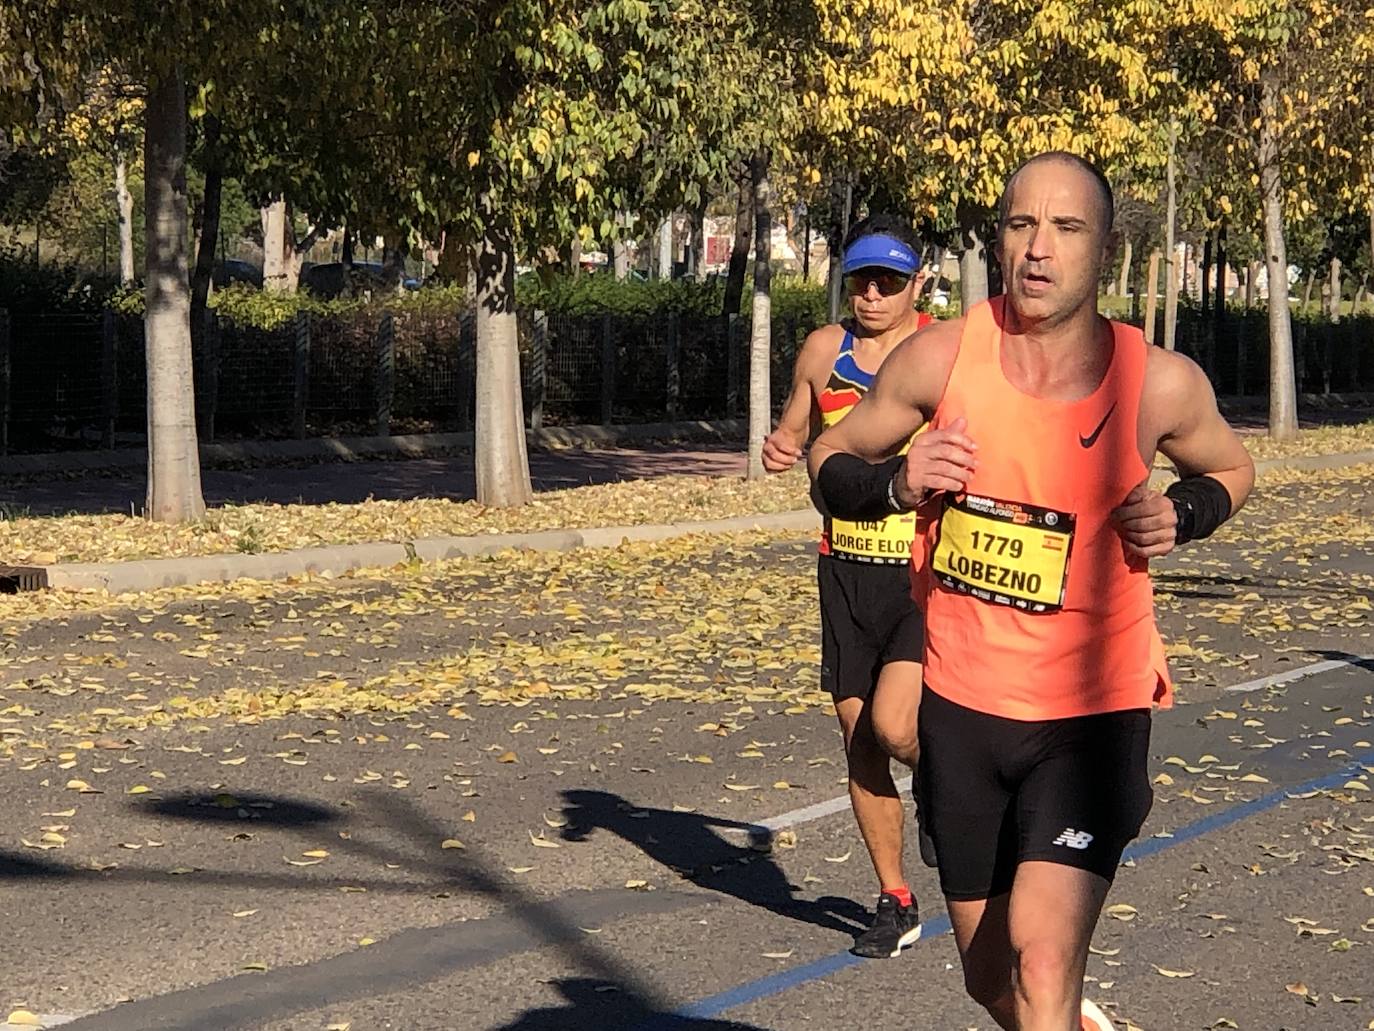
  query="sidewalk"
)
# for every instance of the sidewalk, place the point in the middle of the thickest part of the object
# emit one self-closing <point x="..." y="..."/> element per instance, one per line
<point x="151" y="574"/>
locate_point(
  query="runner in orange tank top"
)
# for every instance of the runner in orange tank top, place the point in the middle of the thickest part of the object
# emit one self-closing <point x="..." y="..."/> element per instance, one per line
<point x="1042" y="657"/>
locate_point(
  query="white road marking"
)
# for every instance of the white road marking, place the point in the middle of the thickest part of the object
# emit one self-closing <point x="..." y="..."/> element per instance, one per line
<point x="1301" y="673"/>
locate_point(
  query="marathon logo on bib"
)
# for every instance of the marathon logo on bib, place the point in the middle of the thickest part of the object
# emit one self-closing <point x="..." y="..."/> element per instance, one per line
<point x="1004" y="552"/>
<point x="887" y="540"/>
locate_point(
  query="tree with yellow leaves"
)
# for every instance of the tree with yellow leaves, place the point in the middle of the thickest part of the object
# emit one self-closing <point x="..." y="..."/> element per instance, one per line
<point x="943" y="103"/>
<point x="1286" y="83"/>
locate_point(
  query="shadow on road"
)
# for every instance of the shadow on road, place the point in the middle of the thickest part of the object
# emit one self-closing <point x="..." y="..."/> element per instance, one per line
<point x="1227" y="587"/>
<point x="688" y="844"/>
<point x="610" y="995"/>
<point x="591" y="1003"/>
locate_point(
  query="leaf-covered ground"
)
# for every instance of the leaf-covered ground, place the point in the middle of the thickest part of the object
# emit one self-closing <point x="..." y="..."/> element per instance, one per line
<point x="699" y="618"/>
<point x="269" y="528"/>
<point x="203" y="782"/>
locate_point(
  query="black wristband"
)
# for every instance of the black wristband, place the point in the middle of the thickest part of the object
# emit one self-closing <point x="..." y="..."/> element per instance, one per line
<point x="854" y="489"/>
<point x="1202" y="503"/>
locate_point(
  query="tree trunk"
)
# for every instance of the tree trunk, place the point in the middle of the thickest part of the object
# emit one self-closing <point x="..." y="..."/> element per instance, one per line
<point x="209" y="225"/>
<point x="1138" y="294"/>
<point x="124" y="205"/>
<point x="275" y="262"/>
<point x="503" y="468"/>
<point x="1124" y="284"/>
<point x="760" y="340"/>
<point x="1283" y="396"/>
<point x="394" y="263"/>
<point x="174" y="491"/>
<point x="936" y="272"/>
<point x="1170" y="250"/>
<point x="282" y="256"/>
<point x="665" y="249"/>
<point x="1205" y="297"/>
<point x="1334" y="293"/>
<point x="699" y="241"/>
<point x="1307" y="290"/>
<point x="1151" y="295"/>
<point x="739" y="253"/>
<point x="620" y="248"/>
<point x="1251" y="283"/>
<point x="841" y="203"/>
<point x="1219" y="300"/>
<point x="973" y="260"/>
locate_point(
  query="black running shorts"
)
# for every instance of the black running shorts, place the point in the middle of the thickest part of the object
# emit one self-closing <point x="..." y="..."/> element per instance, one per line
<point x="867" y="620"/>
<point x="997" y="792"/>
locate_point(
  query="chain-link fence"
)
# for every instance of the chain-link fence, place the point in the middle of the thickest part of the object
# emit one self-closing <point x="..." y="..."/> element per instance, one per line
<point x="79" y="381"/>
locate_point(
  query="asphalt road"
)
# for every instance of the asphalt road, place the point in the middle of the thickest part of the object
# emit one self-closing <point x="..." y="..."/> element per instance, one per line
<point x="228" y="807"/>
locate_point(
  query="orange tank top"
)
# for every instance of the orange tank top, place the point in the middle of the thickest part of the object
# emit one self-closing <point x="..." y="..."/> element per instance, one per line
<point x="1033" y="609"/>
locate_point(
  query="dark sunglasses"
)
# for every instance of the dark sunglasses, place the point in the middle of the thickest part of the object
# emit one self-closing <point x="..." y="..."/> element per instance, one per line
<point x="887" y="282"/>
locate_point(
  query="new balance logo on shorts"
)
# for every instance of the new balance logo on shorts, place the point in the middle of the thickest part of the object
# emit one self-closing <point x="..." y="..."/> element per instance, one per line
<point x="1074" y="839"/>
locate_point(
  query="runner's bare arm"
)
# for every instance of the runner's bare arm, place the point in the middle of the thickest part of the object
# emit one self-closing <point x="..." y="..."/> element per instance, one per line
<point x="904" y="396"/>
<point x="800" y="420"/>
<point x="1179" y="414"/>
<point x="1196" y="438"/>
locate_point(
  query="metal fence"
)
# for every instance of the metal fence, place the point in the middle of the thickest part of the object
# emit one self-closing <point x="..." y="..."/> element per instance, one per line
<point x="79" y="380"/>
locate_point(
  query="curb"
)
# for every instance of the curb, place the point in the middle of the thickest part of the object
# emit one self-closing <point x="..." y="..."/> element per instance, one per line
<point x="358" y="449"/>
<point x="1313" y="463"/>
<point x="152" y="574"/>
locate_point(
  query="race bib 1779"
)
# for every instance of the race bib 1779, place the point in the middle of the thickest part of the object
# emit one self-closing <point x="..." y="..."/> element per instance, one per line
<point x="1004" y="552"/>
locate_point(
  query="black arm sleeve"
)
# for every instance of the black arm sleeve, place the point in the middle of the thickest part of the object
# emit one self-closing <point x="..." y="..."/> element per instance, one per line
<point x="1202" y="503"/>
<point x="853" y="489"/>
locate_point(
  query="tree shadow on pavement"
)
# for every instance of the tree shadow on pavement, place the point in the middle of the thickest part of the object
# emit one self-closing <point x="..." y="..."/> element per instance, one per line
<point x="688" y="844"/>
<point x="1227" y="587"/>
<point x="609" y="996"/>
<point x="591" y="1003"/>
<point x="1361" y="661"/>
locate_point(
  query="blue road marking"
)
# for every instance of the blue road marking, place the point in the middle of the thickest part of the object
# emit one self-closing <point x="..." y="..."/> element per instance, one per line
<point x="775" y="984"/>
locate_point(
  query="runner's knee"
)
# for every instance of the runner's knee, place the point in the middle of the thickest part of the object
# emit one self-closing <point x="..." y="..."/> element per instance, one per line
<point x="869" y="764"/>
<point x="1045" y="969"/>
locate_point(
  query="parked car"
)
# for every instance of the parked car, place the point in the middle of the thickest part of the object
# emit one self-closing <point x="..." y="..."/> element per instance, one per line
<point x="327" y="278"/>
<point x="235" y="271"/>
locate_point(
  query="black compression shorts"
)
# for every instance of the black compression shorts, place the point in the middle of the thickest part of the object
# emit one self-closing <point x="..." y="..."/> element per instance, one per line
<point x="996" y="792"/>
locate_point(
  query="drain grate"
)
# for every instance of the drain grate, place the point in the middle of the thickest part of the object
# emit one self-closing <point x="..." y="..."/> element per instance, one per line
<point x="14" y="579"/>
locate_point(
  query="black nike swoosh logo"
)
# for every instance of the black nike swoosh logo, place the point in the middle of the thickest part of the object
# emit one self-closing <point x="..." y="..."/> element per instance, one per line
<point x="1091" y="438"/>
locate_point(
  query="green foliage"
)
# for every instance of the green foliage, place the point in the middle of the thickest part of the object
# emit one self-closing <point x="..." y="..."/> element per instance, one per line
<point x="557" y="295"/>
<point x="49" y="287"/>
<point x="599" y="293"/>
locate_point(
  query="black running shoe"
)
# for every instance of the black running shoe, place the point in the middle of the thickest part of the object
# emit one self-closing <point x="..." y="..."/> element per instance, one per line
<point x="895" y="927"/>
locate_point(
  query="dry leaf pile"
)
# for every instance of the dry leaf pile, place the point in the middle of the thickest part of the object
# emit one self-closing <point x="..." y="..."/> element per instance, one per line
<point x="269" y="528"/>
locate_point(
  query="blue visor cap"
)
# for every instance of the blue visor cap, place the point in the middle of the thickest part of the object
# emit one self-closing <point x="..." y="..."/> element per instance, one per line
<point x="880" y="251"/>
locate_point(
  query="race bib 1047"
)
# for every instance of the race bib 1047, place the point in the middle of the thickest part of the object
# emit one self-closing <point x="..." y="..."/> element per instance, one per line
<point x="1004" y="552"/>
<point x="885" y="541"/>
